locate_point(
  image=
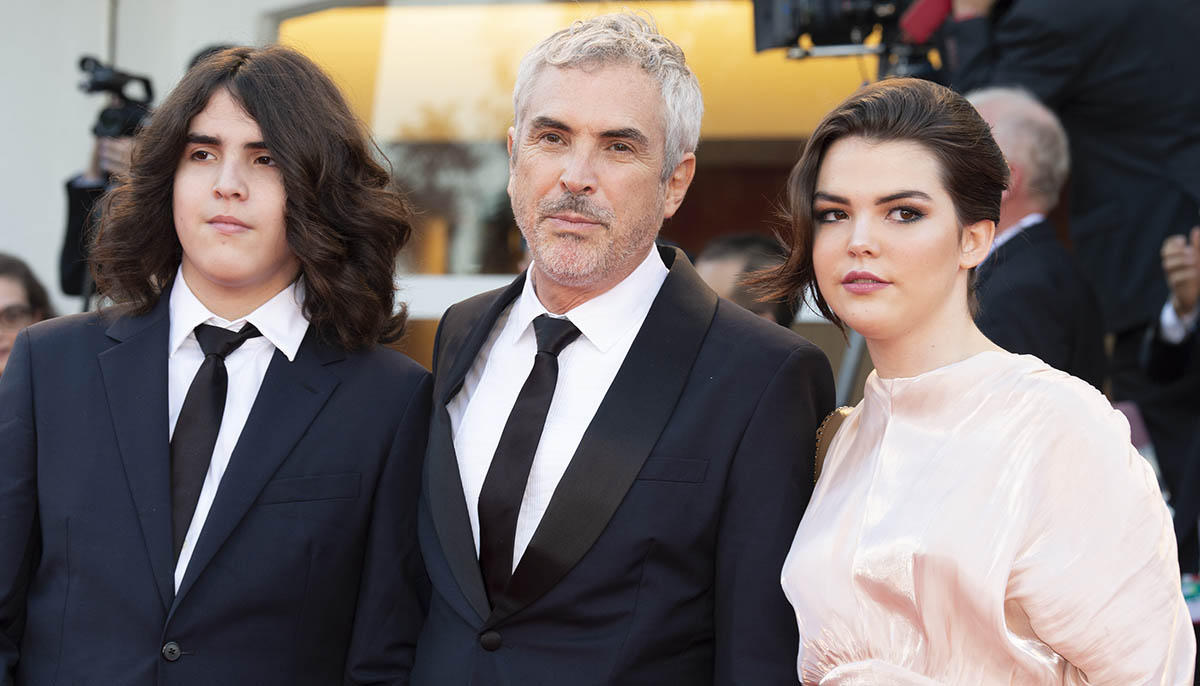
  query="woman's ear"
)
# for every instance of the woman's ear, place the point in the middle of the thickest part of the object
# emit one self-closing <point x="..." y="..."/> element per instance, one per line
<point x="976" y="243"/>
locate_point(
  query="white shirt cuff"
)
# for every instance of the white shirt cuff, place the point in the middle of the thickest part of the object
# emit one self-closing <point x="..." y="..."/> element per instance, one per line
<point x="1174" y="328"/>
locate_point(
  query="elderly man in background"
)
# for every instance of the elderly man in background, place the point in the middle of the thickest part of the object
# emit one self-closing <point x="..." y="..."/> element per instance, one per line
<point x="1033" y="297"/>
<point x="618" y="459"/>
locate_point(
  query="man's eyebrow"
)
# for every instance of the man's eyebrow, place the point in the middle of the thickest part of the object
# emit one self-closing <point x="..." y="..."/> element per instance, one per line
<point x="201" y="139"/>
<point x="548" y="123"/>
<point x="920" y="195"/>
<point x="204" y="139"/>
<point x="629" y="134"/>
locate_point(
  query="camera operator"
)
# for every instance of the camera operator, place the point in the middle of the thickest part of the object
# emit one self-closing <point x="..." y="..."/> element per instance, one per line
<point x="1114" y="71"/>
<point x="109" y="159"/>
<point x="112" y="149"/>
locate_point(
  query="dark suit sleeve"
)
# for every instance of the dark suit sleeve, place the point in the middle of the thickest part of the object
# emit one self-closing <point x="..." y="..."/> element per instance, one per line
<point x="1165" y="362"/>
<point x="18" y="502"/>
<point x="1029" y="47"/>
<point x="394" y="595"/>
<point x="767" y="490"/>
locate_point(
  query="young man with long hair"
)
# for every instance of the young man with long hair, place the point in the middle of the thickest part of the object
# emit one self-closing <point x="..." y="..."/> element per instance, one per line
<point x="214" y="480"/>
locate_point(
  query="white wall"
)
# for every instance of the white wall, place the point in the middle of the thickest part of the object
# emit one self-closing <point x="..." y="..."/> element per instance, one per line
<point x="45" y="121"/>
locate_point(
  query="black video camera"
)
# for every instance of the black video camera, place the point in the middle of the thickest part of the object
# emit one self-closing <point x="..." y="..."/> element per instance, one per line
<point x="838" y="28"/>
<point x="128" y="112"/>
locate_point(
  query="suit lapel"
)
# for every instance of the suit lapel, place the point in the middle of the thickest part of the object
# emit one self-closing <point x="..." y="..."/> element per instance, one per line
<point x="291" y="396"/>
<point x="135" y="381"/>
<point x="626" y="427"/>
<point x="444" y="491"/>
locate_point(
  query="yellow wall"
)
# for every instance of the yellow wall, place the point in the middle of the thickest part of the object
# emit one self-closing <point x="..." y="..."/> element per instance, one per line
<point x="445" y="73"/>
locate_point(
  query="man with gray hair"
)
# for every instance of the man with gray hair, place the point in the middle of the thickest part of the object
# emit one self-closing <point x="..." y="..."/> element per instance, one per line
<point x="618" y="459"/>
<point x="1033" y="297"/>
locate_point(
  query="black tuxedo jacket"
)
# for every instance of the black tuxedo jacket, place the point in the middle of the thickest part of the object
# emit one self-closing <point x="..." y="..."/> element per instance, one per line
<point x="1034" y="300"/>
<point x="1116" y="73"/>
<point x="658" y="559"/>
<point x="307" y="570"/>
<point x="1179" y="365"/>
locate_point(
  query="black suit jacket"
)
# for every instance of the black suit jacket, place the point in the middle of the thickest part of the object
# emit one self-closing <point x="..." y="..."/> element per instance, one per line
<point x="307" y="570"/>
<point x="1179" y="365"/>
<point x="658" y="559"/>
<point x="1034" y="300"/>
<point x="1116" y="73"/>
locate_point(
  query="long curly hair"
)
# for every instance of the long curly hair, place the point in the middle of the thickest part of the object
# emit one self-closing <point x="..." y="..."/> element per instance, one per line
<point x="346" y="220"/>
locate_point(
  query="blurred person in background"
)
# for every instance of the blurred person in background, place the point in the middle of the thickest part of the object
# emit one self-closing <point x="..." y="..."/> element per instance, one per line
<point x="725" y="263"/>
<point x="23" y="301"/>
<point x="1173" y="354"/>
<point x="1116" y="72"/>
<point x="1033" y="297"/>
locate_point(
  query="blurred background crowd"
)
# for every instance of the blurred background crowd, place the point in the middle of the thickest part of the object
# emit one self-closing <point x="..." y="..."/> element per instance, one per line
<point x="1096" y="267"/>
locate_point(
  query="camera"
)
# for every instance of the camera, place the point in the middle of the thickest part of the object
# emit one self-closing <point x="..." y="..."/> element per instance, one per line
<point x="128" y="111"/>
<point x="838" y="28"/>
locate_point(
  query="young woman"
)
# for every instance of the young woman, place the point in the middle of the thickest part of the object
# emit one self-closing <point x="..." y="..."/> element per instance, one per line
<point x="980" y="518"/>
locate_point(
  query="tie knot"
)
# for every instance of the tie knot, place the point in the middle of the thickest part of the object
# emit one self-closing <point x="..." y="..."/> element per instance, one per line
<point x="215" y="340"/>
<point x="553" y="334"/>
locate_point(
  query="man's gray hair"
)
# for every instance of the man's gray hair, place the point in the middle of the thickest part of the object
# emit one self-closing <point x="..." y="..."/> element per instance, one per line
<point x="624" y="38"/>
<point x="1031" y="136"/>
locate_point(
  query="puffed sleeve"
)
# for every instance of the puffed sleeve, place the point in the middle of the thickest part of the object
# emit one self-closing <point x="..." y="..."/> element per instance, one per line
<point x="1098" y="574"/>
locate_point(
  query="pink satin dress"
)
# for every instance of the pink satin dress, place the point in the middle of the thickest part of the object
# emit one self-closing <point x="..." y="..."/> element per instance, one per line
<point x="987" y="522"/>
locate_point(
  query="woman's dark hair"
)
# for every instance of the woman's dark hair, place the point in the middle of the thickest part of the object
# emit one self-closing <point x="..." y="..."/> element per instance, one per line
<point x="973" y="169"/>
<point x="346" y="222"/>
<point x="14" y="268"/>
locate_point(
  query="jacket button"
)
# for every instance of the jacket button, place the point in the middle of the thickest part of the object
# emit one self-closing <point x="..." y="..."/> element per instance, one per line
<point x="490" y="640"/>
<point x="171" y="651"/>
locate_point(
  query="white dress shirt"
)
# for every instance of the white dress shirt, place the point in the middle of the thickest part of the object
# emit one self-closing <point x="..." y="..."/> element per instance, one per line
<point x="282" y="324"/>
<point x="1008" y="234"/>
<point x="586" y="368"/>
<point x="1175" y="328"/>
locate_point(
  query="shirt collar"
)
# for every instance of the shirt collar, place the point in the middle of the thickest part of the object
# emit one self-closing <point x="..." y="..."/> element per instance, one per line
<point x="604" y="319"/>
<point x="1008" y="234"/>
<point x="280" y="320"/>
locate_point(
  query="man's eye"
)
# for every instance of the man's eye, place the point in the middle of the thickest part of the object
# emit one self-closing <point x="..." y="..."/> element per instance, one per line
<point x="202" y="155"/>
<point x="265" y="159"/>
<point x="552" y="138"/>
<point x="622" y="147"/>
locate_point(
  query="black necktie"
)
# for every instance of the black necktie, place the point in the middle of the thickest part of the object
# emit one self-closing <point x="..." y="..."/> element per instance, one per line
<point x="199" y="421"/>
<point x="504" y="486"/>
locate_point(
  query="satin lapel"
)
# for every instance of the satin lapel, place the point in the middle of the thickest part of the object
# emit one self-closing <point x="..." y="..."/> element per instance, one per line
<point x="444" y="491"/>
<point x="291" y="396"/>
<point x="135" y="381"/>
<point x="627" y="424"/>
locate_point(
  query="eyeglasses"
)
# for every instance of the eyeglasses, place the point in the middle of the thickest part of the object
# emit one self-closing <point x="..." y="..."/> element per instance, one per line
<point x="16" y="317"/>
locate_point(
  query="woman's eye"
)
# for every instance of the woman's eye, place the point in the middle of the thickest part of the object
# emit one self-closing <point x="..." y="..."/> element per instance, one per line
<point x="905" y="214"/>
<point x="830" y="216"/>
